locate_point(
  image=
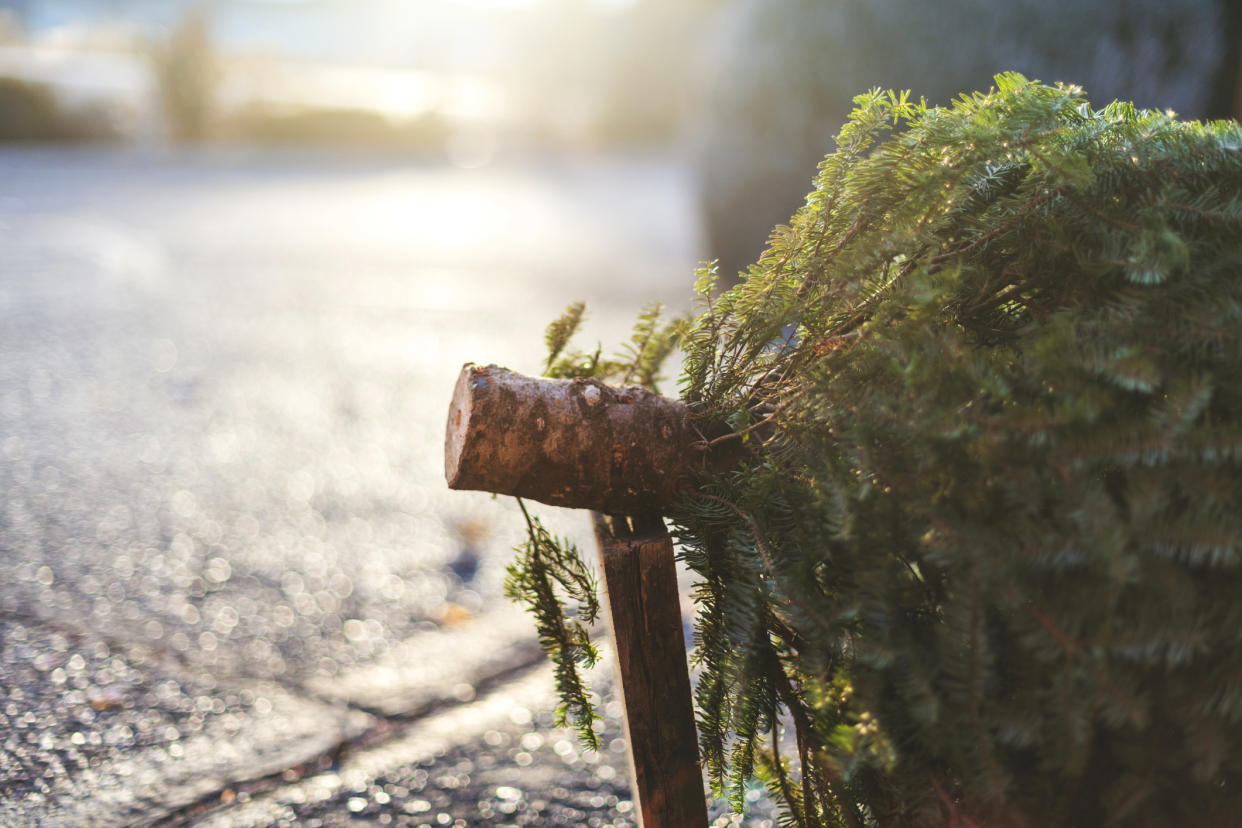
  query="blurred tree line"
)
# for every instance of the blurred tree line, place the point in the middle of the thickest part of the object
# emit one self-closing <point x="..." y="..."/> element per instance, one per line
<point x="583" y="73"/>
<point x="31" y="112"/>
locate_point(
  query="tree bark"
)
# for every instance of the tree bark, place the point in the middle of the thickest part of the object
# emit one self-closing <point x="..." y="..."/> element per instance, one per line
<point x="575" y="443"/>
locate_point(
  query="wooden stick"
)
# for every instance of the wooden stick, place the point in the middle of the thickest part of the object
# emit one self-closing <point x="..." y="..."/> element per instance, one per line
<point x="576" y="443"/>
<point x="645" y="610"/>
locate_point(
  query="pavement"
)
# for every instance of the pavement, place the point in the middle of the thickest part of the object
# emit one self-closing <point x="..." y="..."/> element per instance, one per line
<point x="234" y="590"/>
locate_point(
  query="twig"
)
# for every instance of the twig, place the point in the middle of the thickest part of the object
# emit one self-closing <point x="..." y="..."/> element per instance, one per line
<point x="733" y="435"/>
<point x="782" y="779"/>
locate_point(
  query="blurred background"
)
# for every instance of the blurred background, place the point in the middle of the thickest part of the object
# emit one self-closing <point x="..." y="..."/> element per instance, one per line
<point x="748" y="92"/>
<point x="456" y="78"/>
<point x="245" y="247"/>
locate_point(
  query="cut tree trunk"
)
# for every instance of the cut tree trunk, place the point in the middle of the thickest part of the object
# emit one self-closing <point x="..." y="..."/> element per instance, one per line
<point x="576" y="443"/>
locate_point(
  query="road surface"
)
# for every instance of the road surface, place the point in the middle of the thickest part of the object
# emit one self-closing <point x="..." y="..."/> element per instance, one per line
<point x="233" y="588"/>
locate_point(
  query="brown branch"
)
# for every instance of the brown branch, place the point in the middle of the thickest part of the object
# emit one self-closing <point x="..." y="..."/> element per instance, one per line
<point x="782" y="779"/>
<point x="1072" y="649"/>
<point x="736" y="435"/>
<point x="803" y="731"/>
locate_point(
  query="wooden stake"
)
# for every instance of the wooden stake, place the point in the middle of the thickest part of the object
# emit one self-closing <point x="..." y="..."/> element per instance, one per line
<point x="645" y="611"/>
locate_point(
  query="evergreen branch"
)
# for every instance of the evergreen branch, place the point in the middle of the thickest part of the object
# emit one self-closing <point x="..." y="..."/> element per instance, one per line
<point x="560" y="331"/>
<point x="1072" y="649"/>
<point x="1087" y="207"/>
<point x="767" y="558"/>
<point x="1034" y="204"/>
<point x="541" y="565"/>
<point x="742" y="434"/>
<point x="783" y="780"/>
<point x="804" y="732"/>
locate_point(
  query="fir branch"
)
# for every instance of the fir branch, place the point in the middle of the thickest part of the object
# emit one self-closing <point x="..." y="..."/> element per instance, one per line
<point x="543" y="564"/>
<point x="783" y="788"/>
<point x="560" y="331"/>
<point x="767" y="558"/>
<point x="744" y="433"/>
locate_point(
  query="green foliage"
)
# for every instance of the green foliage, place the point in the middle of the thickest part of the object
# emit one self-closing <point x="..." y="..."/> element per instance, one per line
<point x="782" y="74"/>
<point x="543" y="563"/>
<point x="638" y="361"/>
<point x="547" y="567"/>
<point x="649" y="345"/>
<point x="562" y="329"/>
<point x="980" y="561"/>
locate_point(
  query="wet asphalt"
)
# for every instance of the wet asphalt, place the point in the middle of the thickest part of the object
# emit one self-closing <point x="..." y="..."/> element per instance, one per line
<point x="233" y="587"/>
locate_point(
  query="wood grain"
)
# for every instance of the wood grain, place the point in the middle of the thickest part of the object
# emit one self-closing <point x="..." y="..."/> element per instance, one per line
<point x="645" y="610"/>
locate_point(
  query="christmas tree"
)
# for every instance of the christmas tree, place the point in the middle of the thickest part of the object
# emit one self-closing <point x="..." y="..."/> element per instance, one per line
<point x="975" y="558"/>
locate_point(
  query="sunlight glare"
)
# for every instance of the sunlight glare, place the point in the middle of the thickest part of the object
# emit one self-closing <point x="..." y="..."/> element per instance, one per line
<point x="497" y="4"/>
